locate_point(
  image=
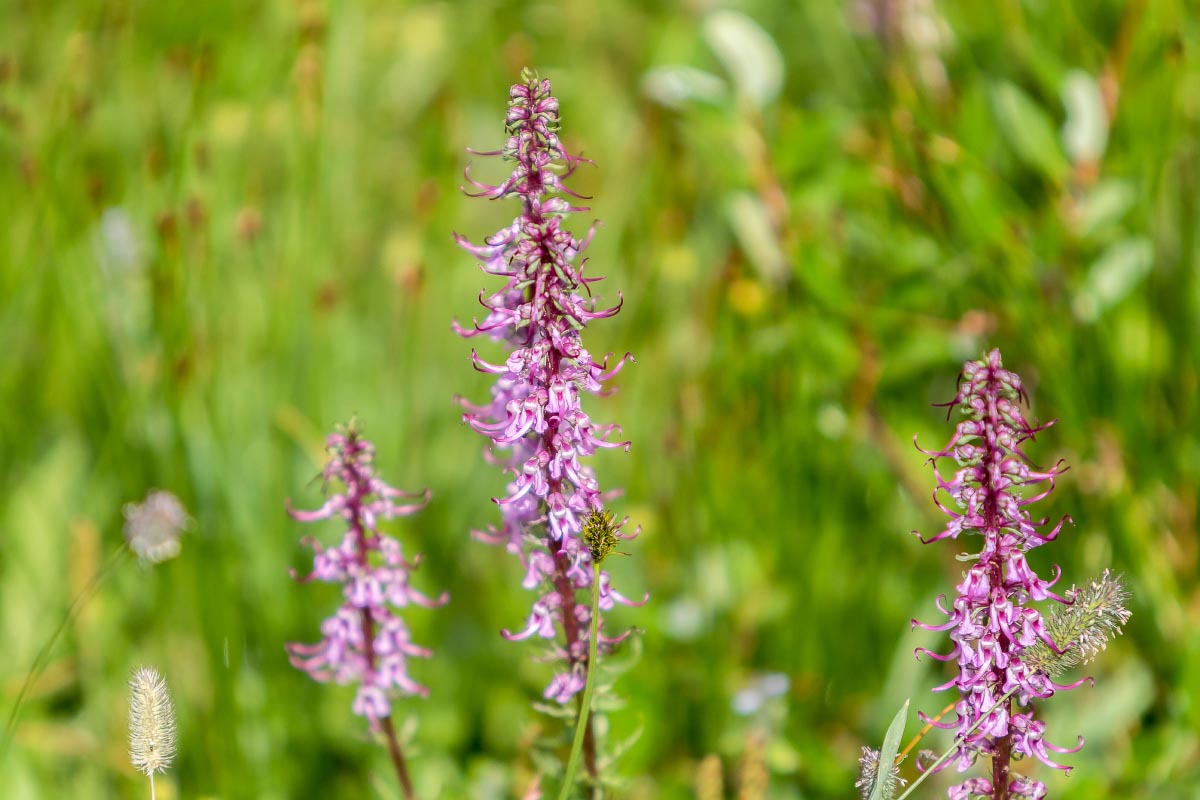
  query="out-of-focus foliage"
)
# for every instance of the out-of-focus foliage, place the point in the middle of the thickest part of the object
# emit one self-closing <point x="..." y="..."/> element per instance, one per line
<point x="227" y="226"/>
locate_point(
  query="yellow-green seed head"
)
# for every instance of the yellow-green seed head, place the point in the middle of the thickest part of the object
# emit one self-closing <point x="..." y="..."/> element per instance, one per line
<point x="1083" y="628"/>
<point x="600" y="534"/>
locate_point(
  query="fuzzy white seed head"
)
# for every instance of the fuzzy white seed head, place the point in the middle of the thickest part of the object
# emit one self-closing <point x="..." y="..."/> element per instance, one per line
<point x="153" y="526"/>
<point x="151" y="722"/>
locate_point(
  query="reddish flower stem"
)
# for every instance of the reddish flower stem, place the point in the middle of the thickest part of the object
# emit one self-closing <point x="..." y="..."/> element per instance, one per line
<point x="368" y="627"/>
<point x="991" y="513"/>
<point x="566" y="591"/>
<point x="389" y="732"/>
<point x="1000" y="762"/>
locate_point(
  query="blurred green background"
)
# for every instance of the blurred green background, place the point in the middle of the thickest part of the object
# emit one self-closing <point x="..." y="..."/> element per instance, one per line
<point x="225" y="227"/>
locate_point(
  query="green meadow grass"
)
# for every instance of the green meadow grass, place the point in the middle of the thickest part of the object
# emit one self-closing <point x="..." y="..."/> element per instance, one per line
<point x="226" y="226"/>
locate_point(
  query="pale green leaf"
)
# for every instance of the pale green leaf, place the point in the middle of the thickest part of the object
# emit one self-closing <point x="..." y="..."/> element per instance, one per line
<point x="1085" y="133"/>
<point x="1027" y="129"/>
<point x="677" y="86"/>
<point x="1104" y="205"/>
<point x="748" y="53"/>
<point x="1113" y="276"/>
<point x="751" y="224"/>
<point x="887" y="753"/>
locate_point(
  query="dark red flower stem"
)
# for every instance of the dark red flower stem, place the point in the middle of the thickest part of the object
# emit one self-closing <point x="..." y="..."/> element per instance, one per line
<point x="566" y="588"/>
<point x="1002" y="756"/>
<point x="357" y="488"/>
<point x="389" y="732"/>
<point x="1000" y="762"/>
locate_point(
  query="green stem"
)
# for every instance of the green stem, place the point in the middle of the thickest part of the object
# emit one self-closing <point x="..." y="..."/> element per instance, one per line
<point x="933" y="768"/>
<point x="586" y="706"/>
<point x="43" y="656"/>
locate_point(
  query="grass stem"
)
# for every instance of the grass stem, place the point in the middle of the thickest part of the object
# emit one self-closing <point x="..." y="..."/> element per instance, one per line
<point x="585" y="707"/>
<point x="946" y="755"/>
<point x="39" y="662"/>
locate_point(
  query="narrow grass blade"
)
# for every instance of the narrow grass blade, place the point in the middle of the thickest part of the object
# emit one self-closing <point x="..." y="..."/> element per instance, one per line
<point x="887" y="753"/>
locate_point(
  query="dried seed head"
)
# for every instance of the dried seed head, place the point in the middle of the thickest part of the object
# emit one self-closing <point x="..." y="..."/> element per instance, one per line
<point x="869" y="772"/>
<point x="151" y="722"/>
<point x="600" y="534"/>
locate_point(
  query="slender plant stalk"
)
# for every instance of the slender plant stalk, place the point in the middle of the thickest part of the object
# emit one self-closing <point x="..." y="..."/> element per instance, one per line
<point x="397" y="755"/>
<point x="944" y="756"/>
<point x="153" y="796"/>
<point x="39" y="662"/>
<point x="1001" y="764"/>
<point x="1002" y="757"/>
<point x="389" y="730"/>
<point x="585" y="707"/>
<point x="565" y="586"/>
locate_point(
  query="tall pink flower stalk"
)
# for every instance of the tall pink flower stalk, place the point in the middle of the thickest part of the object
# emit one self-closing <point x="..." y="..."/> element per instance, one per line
<point x="365" y="641"/>
<point x="535" y="421"/>
<point x="995" y="628"/>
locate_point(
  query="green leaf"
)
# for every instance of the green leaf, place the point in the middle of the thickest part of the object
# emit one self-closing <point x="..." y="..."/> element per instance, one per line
<point x="1085" y="133"/>
<point x="1104" y="206"/>
<point x="887" y="753"/>
<point x="562" y="712"/>
<point x="617" y="749"/>
<point x="748" y="53"/>
<point x="752" y="225"/>
<point x="676" y="86"/>
<point x="1112" y="276"/>
<point x="1028" y="129"/>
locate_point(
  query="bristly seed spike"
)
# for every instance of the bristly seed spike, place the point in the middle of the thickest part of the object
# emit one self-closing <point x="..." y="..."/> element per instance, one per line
<point x="151" y="722"/>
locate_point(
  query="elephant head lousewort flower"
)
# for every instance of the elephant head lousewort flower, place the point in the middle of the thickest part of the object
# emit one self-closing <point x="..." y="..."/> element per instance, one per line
<point x="1007" y="652"/>
<point x="365" y="641"/>
<point x="536" y="416"/>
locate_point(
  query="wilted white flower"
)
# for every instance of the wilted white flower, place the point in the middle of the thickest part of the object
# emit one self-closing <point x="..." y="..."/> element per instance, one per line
<point x="153" y="526"/>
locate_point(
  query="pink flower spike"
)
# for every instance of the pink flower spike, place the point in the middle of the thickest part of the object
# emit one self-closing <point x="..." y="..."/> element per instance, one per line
<point x="364" y="642"/>
<point x="537" y="420"/>
<point x="1006" y="649"/>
